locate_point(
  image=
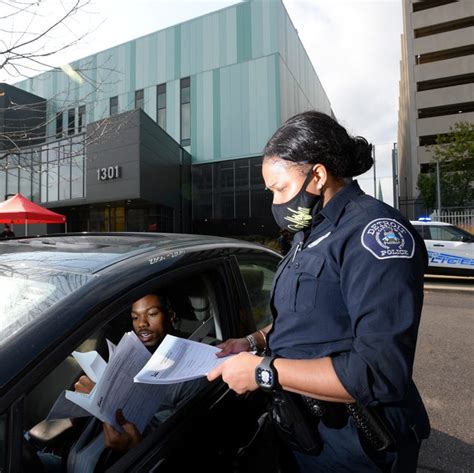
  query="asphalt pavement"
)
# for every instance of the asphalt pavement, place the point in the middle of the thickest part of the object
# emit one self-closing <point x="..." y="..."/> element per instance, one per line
<point x="444" y="369"/>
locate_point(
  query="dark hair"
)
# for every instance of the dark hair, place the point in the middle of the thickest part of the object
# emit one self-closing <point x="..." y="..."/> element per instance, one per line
<point x="316" y="138"/>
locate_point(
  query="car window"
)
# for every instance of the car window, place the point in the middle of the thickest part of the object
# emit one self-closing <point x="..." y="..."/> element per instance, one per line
<point x="421" y="230"/>
<point x="29" y="291"/>
<point x="445" y="233"/>
<point x="53" y="442"/>
<point x="3" y="441"/>
<point x="258" y="279"/>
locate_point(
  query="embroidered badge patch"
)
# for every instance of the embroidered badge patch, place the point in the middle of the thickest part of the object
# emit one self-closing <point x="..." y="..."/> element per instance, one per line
<point x="387" y="238"/>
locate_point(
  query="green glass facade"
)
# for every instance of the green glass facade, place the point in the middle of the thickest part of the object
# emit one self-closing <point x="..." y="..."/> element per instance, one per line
<point x="227" y="79"/>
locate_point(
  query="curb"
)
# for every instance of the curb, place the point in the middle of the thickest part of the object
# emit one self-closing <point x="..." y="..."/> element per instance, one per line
<point x="458" y="289"/>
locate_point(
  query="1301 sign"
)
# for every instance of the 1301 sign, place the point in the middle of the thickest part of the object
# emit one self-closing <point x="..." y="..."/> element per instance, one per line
<point x="112" y="172"/>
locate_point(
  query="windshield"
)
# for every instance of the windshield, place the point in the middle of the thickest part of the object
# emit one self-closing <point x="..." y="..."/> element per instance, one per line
<point x="26" y="292"/>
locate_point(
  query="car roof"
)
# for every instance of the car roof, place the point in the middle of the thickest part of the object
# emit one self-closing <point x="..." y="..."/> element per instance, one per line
<point x="92" y="252"/>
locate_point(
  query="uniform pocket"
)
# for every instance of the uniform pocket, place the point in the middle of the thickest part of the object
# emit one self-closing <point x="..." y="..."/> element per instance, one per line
<point x="306" y="270"/>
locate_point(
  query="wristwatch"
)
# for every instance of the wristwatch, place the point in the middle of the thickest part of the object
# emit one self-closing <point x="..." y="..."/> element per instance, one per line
<point x="266" y="375"/>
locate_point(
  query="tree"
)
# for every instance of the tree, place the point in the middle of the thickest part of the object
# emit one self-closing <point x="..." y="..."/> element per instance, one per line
<point x="455" y="153"/>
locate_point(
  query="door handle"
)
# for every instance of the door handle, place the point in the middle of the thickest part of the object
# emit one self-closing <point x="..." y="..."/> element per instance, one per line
<point x="437" y="244"/>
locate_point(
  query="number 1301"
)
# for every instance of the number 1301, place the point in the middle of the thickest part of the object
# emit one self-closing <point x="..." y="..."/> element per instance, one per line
<point x="111" y="172"/>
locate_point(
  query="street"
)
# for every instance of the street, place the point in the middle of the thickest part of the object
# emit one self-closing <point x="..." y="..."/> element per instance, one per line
<point x="443" y="372"/>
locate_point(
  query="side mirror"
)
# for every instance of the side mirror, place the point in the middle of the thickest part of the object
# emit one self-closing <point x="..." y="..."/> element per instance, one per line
<point x="467" y="239"/>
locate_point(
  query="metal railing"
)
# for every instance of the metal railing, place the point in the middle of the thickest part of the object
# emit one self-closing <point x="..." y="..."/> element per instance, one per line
<point x="461" y="217"/>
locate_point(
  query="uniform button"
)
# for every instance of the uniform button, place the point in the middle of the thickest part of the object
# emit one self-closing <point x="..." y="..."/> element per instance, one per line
<point x="297" y="265"/>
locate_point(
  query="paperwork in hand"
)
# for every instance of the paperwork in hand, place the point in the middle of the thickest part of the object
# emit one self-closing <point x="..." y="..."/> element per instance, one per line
<point x="115" y="388"/>
<point x="177" y="360"/>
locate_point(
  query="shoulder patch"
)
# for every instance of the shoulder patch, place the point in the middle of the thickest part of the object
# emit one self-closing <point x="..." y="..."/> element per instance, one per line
<point x="386" y="238"/>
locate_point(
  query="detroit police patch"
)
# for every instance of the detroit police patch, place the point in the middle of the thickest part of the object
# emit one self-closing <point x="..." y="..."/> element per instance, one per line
<point x="387" y="238"/>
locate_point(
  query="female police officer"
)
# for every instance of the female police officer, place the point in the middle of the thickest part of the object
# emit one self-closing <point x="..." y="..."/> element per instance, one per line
<point x="346" y="301"/>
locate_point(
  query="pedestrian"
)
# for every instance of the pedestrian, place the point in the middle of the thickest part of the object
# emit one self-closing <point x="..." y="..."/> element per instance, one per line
<point x="284" y="241"/>
<point x="346" y="308"/>
<point x="7" y="232"/>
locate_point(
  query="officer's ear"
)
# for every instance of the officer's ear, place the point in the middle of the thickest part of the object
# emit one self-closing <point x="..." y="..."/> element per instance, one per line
<point x="320" y="177"/>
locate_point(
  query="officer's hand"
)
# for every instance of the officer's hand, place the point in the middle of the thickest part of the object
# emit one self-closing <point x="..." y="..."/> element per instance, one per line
<point x="233" y="345"/>
<point x="121" y="441"/>
<point x="238" y="372"/>
<point x="84" y="385"/>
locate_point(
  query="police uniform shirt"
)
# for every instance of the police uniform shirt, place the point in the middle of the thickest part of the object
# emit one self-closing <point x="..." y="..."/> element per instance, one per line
<point x="352" y="288"/>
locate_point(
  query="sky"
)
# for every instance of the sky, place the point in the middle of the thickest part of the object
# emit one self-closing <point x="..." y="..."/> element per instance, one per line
<point x="354" y="46"/>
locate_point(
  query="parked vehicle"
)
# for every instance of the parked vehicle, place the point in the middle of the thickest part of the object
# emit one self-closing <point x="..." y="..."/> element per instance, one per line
<point x="450" y="248"/>
<point x="69" y="292"/>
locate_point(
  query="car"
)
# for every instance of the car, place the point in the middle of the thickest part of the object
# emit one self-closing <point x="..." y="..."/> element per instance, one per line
<point x="61" y="293"/>
<point x="450" y="248"/>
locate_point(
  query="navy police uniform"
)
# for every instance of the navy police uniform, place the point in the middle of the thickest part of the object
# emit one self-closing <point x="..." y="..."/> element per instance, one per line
<point x="351" y="288"/>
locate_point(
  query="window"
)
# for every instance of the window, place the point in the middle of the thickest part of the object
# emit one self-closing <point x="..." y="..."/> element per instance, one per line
<point x="59" y="125"/>
<point x="161" y="106"/>
<point x="71" y="121"/>
<point x="258" y="280"/>
<point x="443" y="27"/>
<point x="445" y="54"/>
<point x="445" y="82"/>
<point x="53" y="173"/>
<point x="185" y="111"/>
<point x="441" y="110"/>
<point x="13" y="174"/>
<point x="426" y="4"/>
<point x="139" y="99"/>
<point x="81" y="118"/>
<point x="193" y="302"/>
<point x="445" y="233"/>
<point x="113" y="105"/>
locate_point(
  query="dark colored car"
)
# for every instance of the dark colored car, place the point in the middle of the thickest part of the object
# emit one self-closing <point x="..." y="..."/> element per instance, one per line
<point x="68" y="292"/>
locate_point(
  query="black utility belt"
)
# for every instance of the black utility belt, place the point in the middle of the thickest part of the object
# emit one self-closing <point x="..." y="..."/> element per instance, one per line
<point x="296" y="417"/>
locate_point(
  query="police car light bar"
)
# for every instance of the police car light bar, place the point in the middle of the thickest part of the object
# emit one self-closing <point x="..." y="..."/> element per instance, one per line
<point x="424" y="219"/>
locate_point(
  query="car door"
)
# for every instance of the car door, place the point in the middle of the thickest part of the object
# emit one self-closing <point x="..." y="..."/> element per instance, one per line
<point x="207" y="432"/>
<point x="210" y="432"/>
<point x="448" y="247"/>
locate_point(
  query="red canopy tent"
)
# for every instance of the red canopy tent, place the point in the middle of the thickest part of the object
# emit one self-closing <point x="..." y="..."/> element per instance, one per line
<point x="19" y="209"/>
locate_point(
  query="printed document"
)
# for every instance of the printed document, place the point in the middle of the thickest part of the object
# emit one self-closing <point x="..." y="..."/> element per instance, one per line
<point x="115" y="388"/>
<point x="177" y="360"/>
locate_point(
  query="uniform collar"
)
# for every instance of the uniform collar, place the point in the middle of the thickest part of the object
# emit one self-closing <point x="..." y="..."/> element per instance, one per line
<point x="333" y="210"/>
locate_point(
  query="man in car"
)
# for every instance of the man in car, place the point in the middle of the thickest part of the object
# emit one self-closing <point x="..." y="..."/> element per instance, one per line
<point x="152" y="319"/>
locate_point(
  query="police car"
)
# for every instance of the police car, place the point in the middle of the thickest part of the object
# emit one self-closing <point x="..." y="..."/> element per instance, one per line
<point x="450" y="248"/>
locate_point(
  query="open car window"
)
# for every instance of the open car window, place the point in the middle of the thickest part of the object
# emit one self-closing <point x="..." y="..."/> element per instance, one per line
<point x="194" y="301"/>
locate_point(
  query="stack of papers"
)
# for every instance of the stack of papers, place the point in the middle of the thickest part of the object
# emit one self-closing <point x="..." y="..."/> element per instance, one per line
<point x="128" y="381"/>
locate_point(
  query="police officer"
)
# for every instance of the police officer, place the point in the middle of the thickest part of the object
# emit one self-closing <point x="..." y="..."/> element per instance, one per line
<point x="346" y="301"/>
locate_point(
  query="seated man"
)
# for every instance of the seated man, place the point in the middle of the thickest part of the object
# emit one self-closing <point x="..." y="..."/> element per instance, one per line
<point x="152" y="319"/>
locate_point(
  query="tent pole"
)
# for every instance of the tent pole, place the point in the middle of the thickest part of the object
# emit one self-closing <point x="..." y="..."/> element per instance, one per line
<point x="65" y="227"/>
<point x="26" y="227"/>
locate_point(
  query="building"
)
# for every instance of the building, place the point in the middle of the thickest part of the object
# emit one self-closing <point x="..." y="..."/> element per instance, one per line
<point x="211" y="90"/>
<point x="437" y="83"/>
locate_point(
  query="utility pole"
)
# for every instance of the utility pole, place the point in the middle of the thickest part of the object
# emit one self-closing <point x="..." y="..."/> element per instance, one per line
<point x="375" y="172"/>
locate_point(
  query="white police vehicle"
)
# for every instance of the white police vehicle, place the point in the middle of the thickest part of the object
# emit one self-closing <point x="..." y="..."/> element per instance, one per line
<point x="450" y="248"/>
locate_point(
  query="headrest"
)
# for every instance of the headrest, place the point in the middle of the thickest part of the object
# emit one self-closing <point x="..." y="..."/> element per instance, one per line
<point x="253" y="277"/>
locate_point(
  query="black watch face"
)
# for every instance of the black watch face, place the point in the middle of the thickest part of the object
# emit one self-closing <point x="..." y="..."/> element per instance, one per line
<point x="265" y="378"/>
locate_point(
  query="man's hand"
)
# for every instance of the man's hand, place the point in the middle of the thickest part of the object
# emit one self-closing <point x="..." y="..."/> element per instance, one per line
<point x="121" y="441"/>
<point x="233" y="345"/>
<point x="238" y="372"/>
<point x="84" y="385"/>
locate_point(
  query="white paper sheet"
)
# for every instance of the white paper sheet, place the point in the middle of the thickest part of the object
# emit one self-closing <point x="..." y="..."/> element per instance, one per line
<point x="116" y="389"/>
<point x="177" y="360"/>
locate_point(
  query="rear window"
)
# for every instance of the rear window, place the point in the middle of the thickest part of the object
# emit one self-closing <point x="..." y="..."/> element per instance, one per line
<point x="26" y="292"/>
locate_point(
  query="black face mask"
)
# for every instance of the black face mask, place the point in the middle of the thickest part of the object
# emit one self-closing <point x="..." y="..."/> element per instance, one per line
<point x="295" y="215"/>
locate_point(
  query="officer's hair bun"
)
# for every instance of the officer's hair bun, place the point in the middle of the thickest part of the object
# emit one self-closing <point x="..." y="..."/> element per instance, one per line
<point x="316" y="138"/>
<point x="361" y="157"/>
